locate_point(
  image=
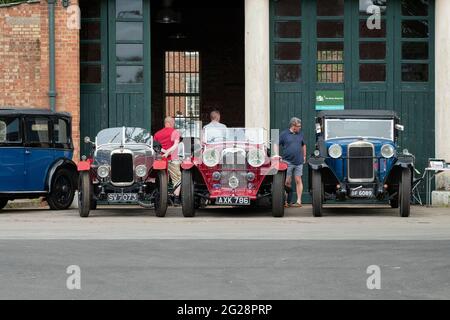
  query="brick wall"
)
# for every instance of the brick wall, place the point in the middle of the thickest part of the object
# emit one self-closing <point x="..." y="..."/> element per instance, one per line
<point x="24" y="61"/>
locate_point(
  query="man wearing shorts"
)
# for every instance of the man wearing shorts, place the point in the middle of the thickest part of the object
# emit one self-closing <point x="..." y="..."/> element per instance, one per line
<point x="294" y="153"/>
<point x="169" y="138"/>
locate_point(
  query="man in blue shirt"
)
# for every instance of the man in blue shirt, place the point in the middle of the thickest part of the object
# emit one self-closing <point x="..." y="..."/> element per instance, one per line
<point x="294" y="153"/>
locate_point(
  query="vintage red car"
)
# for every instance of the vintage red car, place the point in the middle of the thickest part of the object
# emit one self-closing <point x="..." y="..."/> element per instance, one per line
<point x="232" y="167"/>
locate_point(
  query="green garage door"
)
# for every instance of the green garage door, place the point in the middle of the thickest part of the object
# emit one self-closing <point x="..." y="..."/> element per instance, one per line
<point x="377" y="60"/>
<point x="115" y="65"/>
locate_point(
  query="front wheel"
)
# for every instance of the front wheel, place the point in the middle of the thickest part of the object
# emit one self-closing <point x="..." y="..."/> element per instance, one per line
<point x="404" y="193"/>
<point x="84" y="194"/>
<point x="187" y="194"/>
<point x="161" y="198"/>
<point x="317" y="193"/>
<point x="278" y="195"/>
<point x="62" y="190"/>
<point x="3" y="203"/>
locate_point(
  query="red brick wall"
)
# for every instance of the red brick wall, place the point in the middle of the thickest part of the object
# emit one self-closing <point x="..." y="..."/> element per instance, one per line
<point x="24" y="61"/>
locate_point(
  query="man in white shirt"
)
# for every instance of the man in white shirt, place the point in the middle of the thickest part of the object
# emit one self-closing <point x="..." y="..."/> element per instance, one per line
<point x="215" y="121"/>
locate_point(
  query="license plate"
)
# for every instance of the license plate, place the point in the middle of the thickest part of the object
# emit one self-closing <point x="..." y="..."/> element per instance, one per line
<point x="122" y="197"/>
<point x="233" y="201"/>
<point x="361" y="193"/>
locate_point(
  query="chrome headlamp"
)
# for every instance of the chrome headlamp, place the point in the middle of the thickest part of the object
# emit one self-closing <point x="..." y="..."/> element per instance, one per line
<point x="211" y="157"/>
<point x="141" y="171"/>
<point x="103" y="171"/>
<point x="256" y="158"/>
<point x="335" y="151"/>
<point x="387" y="151"/>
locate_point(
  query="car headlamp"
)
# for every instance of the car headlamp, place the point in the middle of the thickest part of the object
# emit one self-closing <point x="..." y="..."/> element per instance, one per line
<point x="211" y="157"/>
<point x="335" y="151"/>
<point x="256" y="158"/>
<point x="141" y="171"/>
<point x="103" y="171"/>
<point x="387" y="151"/>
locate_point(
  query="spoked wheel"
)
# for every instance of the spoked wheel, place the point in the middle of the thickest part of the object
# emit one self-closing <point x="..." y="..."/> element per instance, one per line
<point x="84" y="194"/>
<point x="62" y="190"/>
<point x="404" y="193"/>
<point x="161" y="194"/>
<point x="278" y="194"/>
<point x="317" y="193"/>
<point x="187" y="194"/>
<point x="3" y="203"/>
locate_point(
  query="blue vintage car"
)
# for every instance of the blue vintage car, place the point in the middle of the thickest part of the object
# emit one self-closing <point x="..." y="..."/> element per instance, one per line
<point x="357" y="158"/>
<point x="36" y="157"/>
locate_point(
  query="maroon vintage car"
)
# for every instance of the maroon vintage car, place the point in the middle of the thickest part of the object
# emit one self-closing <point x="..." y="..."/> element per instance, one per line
<point x="231" y="167"/>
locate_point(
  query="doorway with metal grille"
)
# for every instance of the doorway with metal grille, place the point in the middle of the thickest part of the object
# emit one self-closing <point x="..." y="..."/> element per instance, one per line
<point x="182" y="91"/>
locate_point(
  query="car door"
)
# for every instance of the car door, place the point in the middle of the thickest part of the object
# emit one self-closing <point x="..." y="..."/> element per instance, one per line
<point x="12" y="173"/>
<point x="39" y="152"/>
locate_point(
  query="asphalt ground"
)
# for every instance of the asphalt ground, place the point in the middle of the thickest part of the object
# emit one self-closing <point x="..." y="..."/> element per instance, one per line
<point x="223" y="253"/>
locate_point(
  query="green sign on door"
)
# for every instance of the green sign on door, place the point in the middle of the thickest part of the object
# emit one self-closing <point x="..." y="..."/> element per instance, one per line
<point x="329" y="100"/>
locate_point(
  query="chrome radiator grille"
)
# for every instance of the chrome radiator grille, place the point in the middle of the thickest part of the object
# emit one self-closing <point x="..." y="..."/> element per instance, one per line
<point x="122" y="168"/>
<point x="360" y="162"/>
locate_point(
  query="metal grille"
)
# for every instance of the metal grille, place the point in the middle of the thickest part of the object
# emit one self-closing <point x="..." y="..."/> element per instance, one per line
<point x="182" y="91"/>
<point x="360" y="162"/>
<point x="122" y="168"/>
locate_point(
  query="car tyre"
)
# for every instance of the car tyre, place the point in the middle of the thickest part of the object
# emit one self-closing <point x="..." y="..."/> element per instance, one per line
<point x="187" y="194"/>
<point x="161" y="199"/>
<point x="404" y="194"/>
<point x="3" y="203"/>
<point x="62" y="190"/>
<point x="317" y="193"/>
<point x="278" y="196"/>
<point x="84" y="194"/>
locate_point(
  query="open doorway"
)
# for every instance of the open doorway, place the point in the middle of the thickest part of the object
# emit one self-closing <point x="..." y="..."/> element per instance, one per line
<point x="197" y="61"/>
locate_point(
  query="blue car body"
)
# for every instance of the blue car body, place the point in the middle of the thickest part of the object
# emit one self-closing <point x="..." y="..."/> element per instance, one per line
<point x="35" y="145"/>
<point x="357" y="157"/>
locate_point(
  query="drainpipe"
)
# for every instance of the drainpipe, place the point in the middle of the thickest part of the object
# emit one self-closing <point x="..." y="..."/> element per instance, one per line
<point x="51" y="53"/>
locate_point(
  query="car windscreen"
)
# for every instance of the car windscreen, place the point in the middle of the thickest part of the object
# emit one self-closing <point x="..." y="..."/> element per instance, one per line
<point x="243" y="135"/>
<point x="116" y="135"/>
<point x="137" y="135"/>
<point x="345" y="128"/>
<point x="112" y="135"/>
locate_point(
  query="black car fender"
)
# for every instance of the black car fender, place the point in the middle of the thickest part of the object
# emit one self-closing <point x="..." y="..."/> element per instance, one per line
<point x="317" y="163"/>
<point x="405" y="161"/>
<point x="59" y="164"/>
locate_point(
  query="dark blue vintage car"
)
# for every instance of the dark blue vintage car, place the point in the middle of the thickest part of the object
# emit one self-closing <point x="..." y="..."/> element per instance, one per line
<point x="36" y="157"/>
<point x="357" y="157"/>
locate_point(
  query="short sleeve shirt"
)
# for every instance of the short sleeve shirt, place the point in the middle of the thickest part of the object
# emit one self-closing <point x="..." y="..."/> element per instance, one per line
<point x="292" y="147"/>
<point x="167" y="137"/>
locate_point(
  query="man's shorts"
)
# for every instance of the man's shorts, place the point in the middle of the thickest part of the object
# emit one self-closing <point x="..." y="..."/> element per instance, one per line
<point x="293" y="169"/>
<point x="175" y="171"/>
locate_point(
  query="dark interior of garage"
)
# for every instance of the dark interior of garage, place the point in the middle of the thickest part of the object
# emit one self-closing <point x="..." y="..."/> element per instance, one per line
<point x="211" y="34"/>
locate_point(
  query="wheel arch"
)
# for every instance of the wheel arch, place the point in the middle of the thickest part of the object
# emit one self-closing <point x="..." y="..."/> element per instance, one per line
<point x="61" y="164"/>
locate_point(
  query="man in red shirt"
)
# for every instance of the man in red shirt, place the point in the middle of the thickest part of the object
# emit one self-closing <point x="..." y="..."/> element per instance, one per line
<point x="169" y="138"/>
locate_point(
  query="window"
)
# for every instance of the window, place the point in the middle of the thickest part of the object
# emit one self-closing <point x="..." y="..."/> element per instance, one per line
<point x="415" y="27"/>
<point x="90" y="42"/>
<point x="10" y="130"/>
<point x="37" y="130"/>
<point x="61" y="132"/>
<point x="182" y="90"/>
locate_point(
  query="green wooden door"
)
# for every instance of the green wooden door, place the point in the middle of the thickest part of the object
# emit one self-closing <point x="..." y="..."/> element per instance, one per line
<point x="121" y="94"/>
<point x="335" y="45"/>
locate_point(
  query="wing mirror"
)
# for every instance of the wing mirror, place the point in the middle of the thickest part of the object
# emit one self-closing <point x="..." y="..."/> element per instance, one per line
<point x="400" y="127"/>
<point x="318" y="128"/>
<point x="87" y="140"/>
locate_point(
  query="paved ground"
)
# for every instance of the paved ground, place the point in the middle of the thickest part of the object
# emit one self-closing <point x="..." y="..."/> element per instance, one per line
<point x="225" y="254"/>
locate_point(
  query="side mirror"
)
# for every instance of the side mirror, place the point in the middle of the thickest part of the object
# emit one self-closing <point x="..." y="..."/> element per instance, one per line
<point x="87" y="140"/>
<point x="400" y="127"/>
